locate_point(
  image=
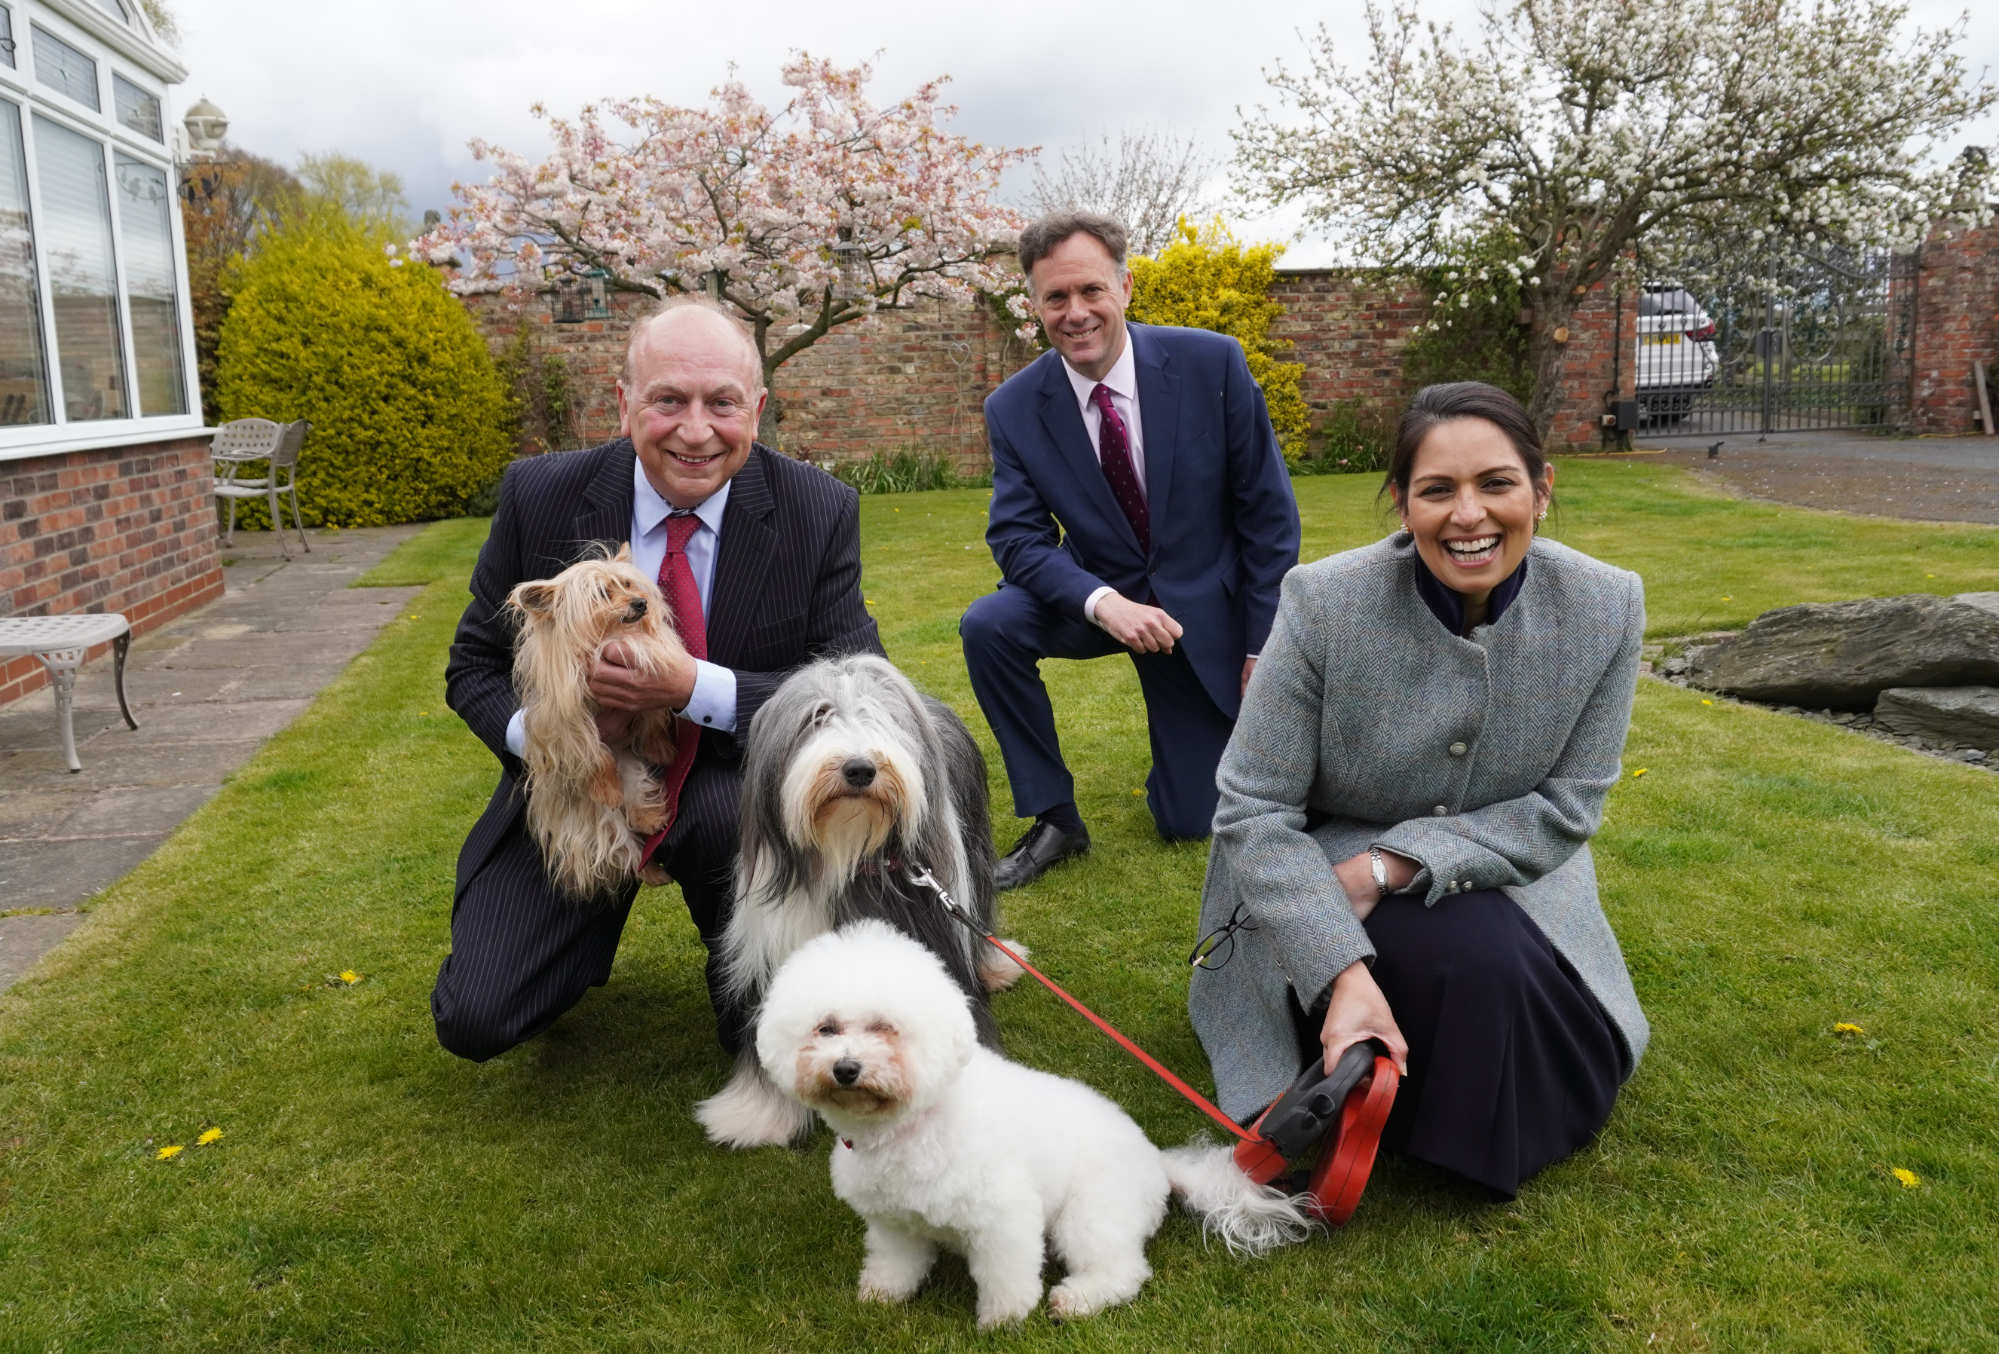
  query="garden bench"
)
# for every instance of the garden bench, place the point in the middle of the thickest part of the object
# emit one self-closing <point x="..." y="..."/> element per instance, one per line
<point x="61" y="642"/>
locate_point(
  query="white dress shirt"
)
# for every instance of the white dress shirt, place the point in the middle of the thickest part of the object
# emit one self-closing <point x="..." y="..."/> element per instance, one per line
<point x="713" y="704"/>
<point x="1122" y="382"/>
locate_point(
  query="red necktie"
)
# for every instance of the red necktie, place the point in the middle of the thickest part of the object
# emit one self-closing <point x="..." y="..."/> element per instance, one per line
<point x="676" y="583"/>
<point x="1114" y="452"/>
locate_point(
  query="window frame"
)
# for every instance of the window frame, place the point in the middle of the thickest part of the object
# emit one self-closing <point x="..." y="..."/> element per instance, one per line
<point x="133" y="57"/>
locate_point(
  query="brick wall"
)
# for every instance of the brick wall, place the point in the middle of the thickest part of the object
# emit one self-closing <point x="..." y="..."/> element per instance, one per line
<point x="914" y="378"/>
<point x="1957" y="324"/>
<point x="1348" y="327"/>
<point x="127" y="529"/>
<point x="918" y="378"/>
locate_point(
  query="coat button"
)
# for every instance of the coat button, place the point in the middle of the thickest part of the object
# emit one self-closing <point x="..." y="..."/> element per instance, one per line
<point x="1458" y="749"/>
<point x="1440" y="810"/>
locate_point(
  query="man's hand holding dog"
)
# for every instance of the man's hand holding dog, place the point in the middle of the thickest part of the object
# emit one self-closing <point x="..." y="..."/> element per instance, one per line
<point x="1140" y="628"/>
<point x="621" y="691"/>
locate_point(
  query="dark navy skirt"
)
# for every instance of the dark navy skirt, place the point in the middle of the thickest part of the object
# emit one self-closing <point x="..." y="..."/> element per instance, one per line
<point x="1512" y="1063"/>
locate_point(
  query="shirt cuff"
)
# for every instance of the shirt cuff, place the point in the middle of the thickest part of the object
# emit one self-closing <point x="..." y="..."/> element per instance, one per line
<point x="517" y="735"/>
<point x="1090" y="603"/>
<point x="713" y="704"/>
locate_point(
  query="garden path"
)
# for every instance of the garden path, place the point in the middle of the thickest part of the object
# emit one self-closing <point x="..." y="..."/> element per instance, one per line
<point x="208" y="689"/>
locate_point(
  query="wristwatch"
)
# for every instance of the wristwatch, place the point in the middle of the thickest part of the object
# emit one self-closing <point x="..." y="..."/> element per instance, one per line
<point x="1378" y="867"/>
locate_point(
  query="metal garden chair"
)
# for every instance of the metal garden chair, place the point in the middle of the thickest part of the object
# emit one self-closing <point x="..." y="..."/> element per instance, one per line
<point x="242" y="443"/>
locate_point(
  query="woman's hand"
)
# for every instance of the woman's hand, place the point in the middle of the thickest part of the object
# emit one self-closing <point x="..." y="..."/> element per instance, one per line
<point x="1356" y="876"/>
<point x="1358" y="1011"/>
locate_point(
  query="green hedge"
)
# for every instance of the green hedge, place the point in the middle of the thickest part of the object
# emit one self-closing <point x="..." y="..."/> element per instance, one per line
<point x="410" y="421"/>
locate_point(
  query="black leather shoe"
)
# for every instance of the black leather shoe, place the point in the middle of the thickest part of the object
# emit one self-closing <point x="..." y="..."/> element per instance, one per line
<point x="1040" y="848"/>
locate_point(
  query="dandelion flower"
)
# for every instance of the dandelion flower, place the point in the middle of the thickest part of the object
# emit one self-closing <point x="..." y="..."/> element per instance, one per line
<point x="1727" y="599"/>
<point x="1639" y="772"/>
<point x="208" y="1135"/>
<point x="1706" y="701"/>
<point x="169" y="1152"/>
<point x="349" y="976"/>
<point x="1906" y="1178"/>
<point x="1846" y="1027"/>
<point x="1137" y="792"/>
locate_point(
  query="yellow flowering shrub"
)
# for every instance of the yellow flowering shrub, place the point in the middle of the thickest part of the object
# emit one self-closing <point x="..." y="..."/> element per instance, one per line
<point x="410" y="421"/>
<point x="1205" y="279"/>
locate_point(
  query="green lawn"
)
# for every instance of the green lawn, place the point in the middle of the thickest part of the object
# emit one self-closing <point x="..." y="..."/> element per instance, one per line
<point x="1768" y="877"/>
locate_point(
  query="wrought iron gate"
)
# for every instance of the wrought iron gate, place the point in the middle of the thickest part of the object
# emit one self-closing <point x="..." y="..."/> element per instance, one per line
<point x="1809" y="341"/>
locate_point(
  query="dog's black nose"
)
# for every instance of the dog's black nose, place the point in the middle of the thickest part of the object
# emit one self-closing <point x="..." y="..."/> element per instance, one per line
<point x="858" y="772"/>
<point x="637" y="609"/>
<point x="846" y="1071"/>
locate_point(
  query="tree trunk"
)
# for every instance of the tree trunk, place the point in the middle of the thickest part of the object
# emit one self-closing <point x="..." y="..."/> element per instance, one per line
<point x="773" y="413"/>
<point x="1547" y="355"/>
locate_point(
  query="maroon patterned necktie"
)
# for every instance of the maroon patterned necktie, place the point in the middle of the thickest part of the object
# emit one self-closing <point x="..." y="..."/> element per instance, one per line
<point x="1114" y="452"/>
<point x="676" y="584"/>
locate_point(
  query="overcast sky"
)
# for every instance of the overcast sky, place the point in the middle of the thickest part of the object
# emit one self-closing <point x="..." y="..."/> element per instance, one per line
<point x="404" y="84"/>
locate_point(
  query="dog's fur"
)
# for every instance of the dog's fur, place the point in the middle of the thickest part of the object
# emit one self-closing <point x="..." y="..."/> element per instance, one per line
<point x="944" y="1142"/>
<point x="589" y="805"/>
<point x="850" y="776"/>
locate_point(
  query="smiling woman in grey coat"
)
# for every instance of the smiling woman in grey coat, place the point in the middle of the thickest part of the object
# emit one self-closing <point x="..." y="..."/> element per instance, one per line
<point x="1401" y="849"/>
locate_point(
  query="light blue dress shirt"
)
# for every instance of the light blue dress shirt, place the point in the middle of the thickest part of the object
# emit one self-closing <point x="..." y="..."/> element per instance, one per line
<point x="713" y="704"/>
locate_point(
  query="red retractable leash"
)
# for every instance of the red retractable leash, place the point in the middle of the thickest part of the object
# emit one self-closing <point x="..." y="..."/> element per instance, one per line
<point x="1342" y="1113"/>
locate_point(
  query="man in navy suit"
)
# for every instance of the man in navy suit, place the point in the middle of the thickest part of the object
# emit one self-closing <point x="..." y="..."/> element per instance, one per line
<point x="772" y="550"/>
<point x="1140" y="504"/>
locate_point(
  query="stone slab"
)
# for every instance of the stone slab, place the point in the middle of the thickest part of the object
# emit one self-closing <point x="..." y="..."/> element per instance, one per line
<point x="133" y="811"/>
<point x="25" y="939"/>
<point x="218" y="721"/>
<point x="61" y="874"/>
<point x="1841" y="655"/>
<point x="1951" y="716"/>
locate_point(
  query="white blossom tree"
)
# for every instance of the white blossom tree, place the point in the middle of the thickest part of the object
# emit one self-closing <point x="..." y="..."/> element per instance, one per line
<point x="804" y="217"/>
<point x="1573" y="130"/>
<point x="1146" y="180"/>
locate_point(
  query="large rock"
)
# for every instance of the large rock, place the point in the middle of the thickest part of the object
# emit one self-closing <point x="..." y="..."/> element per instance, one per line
<point x="1841" y="655"/>
<point x="1953" y="716"/>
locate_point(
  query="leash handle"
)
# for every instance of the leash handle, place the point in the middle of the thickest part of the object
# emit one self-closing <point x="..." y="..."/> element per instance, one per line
<point x="919" y="875"/>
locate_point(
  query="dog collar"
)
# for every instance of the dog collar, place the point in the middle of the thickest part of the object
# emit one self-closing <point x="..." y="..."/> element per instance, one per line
<point x="889" y="866"/>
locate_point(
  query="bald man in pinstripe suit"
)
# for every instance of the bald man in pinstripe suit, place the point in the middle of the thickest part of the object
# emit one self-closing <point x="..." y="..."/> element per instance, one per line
<point x="776" y="559"/>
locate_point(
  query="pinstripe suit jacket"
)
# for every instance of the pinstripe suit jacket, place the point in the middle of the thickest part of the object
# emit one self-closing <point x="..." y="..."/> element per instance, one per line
<point x="787" y="589"/>
<point x="1368" y="723"/>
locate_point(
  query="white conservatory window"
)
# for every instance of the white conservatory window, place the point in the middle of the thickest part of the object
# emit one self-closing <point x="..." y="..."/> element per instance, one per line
<point x="96" y="340"/>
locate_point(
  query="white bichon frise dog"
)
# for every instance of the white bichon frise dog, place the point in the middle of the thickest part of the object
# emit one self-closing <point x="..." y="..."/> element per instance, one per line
<point x="943" y="1142"/>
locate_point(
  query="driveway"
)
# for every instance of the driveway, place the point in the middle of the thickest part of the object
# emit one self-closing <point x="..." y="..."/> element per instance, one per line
<point x="1931" y="479"/>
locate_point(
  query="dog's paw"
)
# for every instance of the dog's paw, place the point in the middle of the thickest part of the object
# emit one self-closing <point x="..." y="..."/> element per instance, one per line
<point x="654" y="875"/>
<point x="1006" y="1311"/>
<point x="997" y="972"/>
<point x="880" y="1288"/>
<point x="1087" y="1294"/>
<point x="645" y="818"/>
<point x="750" y="1112"/>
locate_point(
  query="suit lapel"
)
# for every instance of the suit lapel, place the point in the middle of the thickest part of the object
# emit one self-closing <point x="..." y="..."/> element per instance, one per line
<point x="1063" y="422"/>
<point x="604" y="512"/>
<point x="749" y="542"/>
<point x="1158" y="414"/>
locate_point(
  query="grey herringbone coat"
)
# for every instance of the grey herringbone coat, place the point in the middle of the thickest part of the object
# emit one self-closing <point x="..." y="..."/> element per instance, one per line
<point x="1369" y="723"/>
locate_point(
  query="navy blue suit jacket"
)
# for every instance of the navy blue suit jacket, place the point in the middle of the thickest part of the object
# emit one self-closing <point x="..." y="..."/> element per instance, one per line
<point x="1224" y="523"/>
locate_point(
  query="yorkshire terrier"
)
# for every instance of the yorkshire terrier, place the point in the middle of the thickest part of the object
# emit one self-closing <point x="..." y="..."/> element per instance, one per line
<point x="591" y="805"/>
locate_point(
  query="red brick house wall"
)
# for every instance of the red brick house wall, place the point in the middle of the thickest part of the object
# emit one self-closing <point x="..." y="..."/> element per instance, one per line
<point x="127" y="529"/>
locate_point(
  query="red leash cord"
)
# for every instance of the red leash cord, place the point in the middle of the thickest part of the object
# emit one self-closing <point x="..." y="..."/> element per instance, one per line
<point x="920" y="876"/>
